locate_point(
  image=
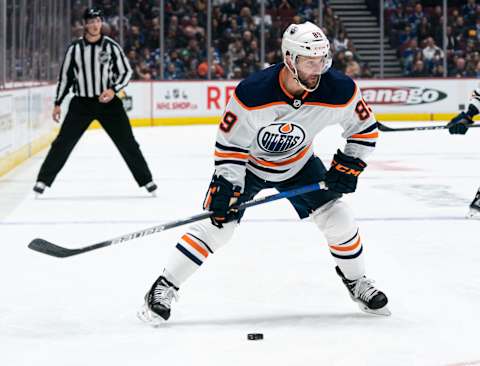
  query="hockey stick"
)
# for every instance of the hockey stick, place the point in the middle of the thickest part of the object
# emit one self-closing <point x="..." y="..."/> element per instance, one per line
<point x="384" y="128"/>
<point x="46" y="247"/>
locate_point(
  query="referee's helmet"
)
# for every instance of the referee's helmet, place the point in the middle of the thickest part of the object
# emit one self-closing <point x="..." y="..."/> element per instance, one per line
<point x="91" y="13"/>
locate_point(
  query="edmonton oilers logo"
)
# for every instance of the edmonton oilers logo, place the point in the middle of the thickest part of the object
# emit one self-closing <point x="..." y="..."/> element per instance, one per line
<point x="280" y="137"/>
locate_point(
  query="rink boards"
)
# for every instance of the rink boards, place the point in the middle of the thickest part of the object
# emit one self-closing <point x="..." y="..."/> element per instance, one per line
<point x="26" y="125"/>
<point x="200" y="102"/>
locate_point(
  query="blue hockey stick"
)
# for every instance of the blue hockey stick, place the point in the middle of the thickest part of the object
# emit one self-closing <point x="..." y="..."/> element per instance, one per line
<point x="46" y="247"/>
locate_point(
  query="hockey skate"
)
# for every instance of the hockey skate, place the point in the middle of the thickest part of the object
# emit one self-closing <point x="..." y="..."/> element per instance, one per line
<point x="474" y="210"/>
<point x="151" y="188"/>
<point x="158" y="300"/>
<point x="39" y="188"/>
<point x="369" y="299"/>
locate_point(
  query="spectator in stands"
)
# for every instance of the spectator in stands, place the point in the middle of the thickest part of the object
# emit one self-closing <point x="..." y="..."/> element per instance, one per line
<point x="459" y="71"/>
<point x="135" y="39"/>
<point x="216" y="70"/>
<point x="391" y="4"/>
<point x="247" y="39"/>
<point x="405" y="35"/>
<point x="469" y="9"/>
<point x="424" y="28"/>
<point x="470" y="70"/>
<point x="366" y="72"/>
<point x="452" y="43"/>
<point x="352" y="67"/>
<point x="172" y="73"/>
<point x="236" y="74"/>
<point x="236" y="53"/>
<point x="416" y="17"/>
<point x="143" y="71"/>
<point x="339" y="61"/>
<point x="477" y="70"/>
<point x="307" y="10"/>
<point x="430" y="50"/>
<point x="331" y="22"/>
<point x="341" y="43"/>
<point x="270" y="59"/>
<point x="195" y="28"/>
<point x="436" y="19"/>
<point x="174" y="58"/>
<point x="437" y="70"/>
<point x="285" y="11"/>
<point x="77" y="29"/>
<point x="460" y="28"/>
<point x="419" y="69"/>
<point x="474" y="58"/>
<point x="409" y="54"/>
<point x="149" y="58"/>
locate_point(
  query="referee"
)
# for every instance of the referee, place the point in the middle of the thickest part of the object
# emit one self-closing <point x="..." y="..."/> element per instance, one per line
<point x="97" y="68"/>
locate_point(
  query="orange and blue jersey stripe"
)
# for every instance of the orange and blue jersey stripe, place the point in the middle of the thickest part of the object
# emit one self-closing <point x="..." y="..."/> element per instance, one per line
<point x="276" y="166"/>
<point x="193" y="248"/>
<point x="230" y="155"/>
<point x="349" y="249"/>
<point x="366" y="137"/>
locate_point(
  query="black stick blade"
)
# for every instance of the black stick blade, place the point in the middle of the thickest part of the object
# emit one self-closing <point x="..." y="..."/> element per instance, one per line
<point x="384" y="128"/>
<point x="45" y="247"/>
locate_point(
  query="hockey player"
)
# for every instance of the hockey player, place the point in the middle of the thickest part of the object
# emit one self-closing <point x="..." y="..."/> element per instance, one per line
<point x="459" y="126"/>
<point x="265" y="141"/>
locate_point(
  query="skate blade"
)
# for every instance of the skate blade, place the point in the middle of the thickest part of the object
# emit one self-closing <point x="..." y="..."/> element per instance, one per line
<point x="473" y="214"/>
<point x="149" y="317"/>
<point x="382" y="311"/>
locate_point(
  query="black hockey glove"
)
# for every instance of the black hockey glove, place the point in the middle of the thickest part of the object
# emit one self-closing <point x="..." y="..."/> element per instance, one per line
<point x="220" y="196"/>
<point x="459" y="124"/>
<point x="343" y="174"/>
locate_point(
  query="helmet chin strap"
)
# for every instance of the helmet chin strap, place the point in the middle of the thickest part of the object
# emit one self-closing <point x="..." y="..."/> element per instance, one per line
<point x="294" y="73"/>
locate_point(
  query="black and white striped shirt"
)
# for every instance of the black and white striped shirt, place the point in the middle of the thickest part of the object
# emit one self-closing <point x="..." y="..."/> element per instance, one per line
<point x="92" y="68"/>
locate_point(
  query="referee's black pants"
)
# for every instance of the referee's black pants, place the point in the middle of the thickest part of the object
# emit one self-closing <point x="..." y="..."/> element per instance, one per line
<point x="112" y="117"/>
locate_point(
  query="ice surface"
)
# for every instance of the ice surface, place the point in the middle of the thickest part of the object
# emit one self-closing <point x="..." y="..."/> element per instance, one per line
<point x="275" y="277"/>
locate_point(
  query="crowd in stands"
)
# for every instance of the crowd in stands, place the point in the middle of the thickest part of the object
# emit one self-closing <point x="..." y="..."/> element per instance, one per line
<point x="417" y="33"/>
<point x="235" y="47"/>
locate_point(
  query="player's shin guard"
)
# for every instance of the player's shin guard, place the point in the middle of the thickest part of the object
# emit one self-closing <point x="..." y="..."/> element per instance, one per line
<point x="340" y="229"/>
<point x="193" y="248"/>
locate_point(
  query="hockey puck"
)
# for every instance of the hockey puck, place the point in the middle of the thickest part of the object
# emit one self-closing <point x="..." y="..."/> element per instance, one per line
<point x="254" y="336"/>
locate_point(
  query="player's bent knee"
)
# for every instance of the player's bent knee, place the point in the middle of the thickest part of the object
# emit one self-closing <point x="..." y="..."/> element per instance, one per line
<point x="336" y="221"/>
<point x="211" y="235"/>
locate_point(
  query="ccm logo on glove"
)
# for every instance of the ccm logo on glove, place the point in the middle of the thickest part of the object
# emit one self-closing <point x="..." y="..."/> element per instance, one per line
<point x="343" y="174"/>
<point x="344" y="169"/>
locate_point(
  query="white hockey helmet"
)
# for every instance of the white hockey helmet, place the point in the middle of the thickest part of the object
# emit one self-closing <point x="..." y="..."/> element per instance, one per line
<point x="305" y="39"/>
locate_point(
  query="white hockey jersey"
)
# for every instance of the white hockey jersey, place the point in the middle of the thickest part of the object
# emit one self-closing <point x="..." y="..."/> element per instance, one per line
<point x="268" y="131"/>
<point x="475" y="98"/>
